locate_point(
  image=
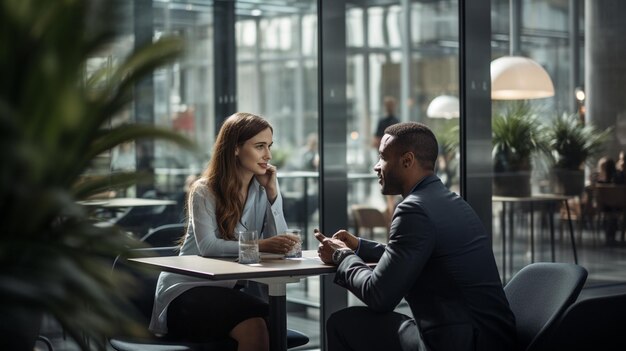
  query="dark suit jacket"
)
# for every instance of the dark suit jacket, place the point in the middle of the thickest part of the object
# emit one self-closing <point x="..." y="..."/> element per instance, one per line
<point x="440" y="260"/>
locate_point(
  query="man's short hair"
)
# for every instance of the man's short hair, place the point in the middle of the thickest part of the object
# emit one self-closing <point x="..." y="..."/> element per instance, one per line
<point x="417" y="138"/>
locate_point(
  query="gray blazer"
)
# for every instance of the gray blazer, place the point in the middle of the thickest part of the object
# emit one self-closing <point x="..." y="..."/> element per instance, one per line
<point x="439" y="259"/>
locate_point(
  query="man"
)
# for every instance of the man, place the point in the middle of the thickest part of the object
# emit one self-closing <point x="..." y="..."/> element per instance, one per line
<point x="438" y="258"/>
<point x="387" y="120"/>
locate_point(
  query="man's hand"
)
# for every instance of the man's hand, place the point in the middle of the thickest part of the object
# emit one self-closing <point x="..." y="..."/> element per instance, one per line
<point x="350" y="240"/>
<point x="328" y="246"/>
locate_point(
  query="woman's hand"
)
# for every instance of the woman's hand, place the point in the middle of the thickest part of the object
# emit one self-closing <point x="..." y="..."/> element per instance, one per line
<point x="280" y="244"/>
<point x="268" y="181"/>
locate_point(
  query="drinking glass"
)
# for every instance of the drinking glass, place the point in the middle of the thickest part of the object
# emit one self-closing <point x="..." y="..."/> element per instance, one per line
<point x="248" y="246"/>
<point x="296" y="250"/>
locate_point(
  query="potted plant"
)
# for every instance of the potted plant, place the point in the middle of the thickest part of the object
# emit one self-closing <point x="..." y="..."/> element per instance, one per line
<point x="54" y="122"/>
<point x="572" y="144"/>
<point x="517" y="136"/>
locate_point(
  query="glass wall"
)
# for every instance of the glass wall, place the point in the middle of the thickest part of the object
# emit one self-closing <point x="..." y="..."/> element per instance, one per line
<point x="565" y="137"/>
<point x="405" y="52"/>
<point x="275" y="67"/>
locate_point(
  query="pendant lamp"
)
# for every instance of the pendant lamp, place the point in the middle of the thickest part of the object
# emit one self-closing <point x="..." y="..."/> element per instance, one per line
<point x="444" y="106"/>
<point x="519" y="78"/>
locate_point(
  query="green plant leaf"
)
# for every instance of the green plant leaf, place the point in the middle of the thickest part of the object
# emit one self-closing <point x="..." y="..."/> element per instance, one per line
<point x="573" y="143"/>
<point x="517" y="135"/>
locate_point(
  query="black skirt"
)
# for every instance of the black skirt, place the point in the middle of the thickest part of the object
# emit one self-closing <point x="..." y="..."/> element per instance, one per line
<point x="210" y="313"/>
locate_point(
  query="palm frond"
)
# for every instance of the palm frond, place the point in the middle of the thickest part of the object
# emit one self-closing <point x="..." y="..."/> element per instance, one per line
<point x="517" y="135"/>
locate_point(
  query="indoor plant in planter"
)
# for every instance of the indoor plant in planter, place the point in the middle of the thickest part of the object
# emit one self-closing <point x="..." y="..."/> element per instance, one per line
<point x="572" y="144"/>
<point x="517" y="136"/>
<point x="54" y="122"/>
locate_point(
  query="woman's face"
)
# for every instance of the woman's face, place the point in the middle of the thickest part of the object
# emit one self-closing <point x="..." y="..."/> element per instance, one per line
<point x="254" y="155"/>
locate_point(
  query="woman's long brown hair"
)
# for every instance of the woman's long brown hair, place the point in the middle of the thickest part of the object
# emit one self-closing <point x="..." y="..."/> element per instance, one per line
<point x="221" y="173"/>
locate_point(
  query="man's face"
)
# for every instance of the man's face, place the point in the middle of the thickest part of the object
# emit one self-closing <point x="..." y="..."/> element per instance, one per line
<point x="389" y="167"/>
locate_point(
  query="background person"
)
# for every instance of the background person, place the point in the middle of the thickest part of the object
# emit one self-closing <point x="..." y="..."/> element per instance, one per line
<point x="438" y="258"/>
<point x="309" y="155"/>
<point x="237" y="191"/>
<point x="605" y="171"/>
<point x="389" y="104"/>
<point x="302" y="205"/>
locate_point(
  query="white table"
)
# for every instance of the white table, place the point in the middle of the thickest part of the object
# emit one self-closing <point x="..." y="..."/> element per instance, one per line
<point x="276" y="273"/>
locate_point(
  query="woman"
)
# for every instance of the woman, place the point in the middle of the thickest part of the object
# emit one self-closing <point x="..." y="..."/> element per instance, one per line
<point x="238" y="190"/>
<point x="605" y="171"/>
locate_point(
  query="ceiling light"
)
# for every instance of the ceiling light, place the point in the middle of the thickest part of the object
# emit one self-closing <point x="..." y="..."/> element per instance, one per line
<point x="444" y="106"/>
<point x="518" y="78"/>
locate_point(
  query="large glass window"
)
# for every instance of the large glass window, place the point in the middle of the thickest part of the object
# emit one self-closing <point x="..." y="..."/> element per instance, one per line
<point x="383" y="66"/>
<point x="561" y="168"/>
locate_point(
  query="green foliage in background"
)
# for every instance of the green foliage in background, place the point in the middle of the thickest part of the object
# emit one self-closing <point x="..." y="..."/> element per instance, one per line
<point x="573" y="143"/>
<point x="54" y="121"/>
<point x="517" y="135"/>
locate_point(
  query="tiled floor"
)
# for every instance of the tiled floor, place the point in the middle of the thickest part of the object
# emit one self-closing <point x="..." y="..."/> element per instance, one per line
<point x="606" y="267"/>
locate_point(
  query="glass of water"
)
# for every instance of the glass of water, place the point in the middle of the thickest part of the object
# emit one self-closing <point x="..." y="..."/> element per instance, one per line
<point x="296" y="250"/>
<point x="248" y="246"/>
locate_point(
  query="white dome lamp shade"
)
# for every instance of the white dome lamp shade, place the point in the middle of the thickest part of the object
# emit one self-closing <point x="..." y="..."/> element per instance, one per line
<point x="444" y="106"/>
<point x="519" y="78"/>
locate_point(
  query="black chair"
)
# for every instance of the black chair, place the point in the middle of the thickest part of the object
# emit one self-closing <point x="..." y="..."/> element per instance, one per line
<point x="538" y="295"/>
<point x="165" y="235"/>
<point x="593" y="323"/>
<point x="143" y="299"/>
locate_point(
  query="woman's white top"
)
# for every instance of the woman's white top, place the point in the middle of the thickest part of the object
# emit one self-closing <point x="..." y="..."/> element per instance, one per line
<point x="203" y="238"/>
